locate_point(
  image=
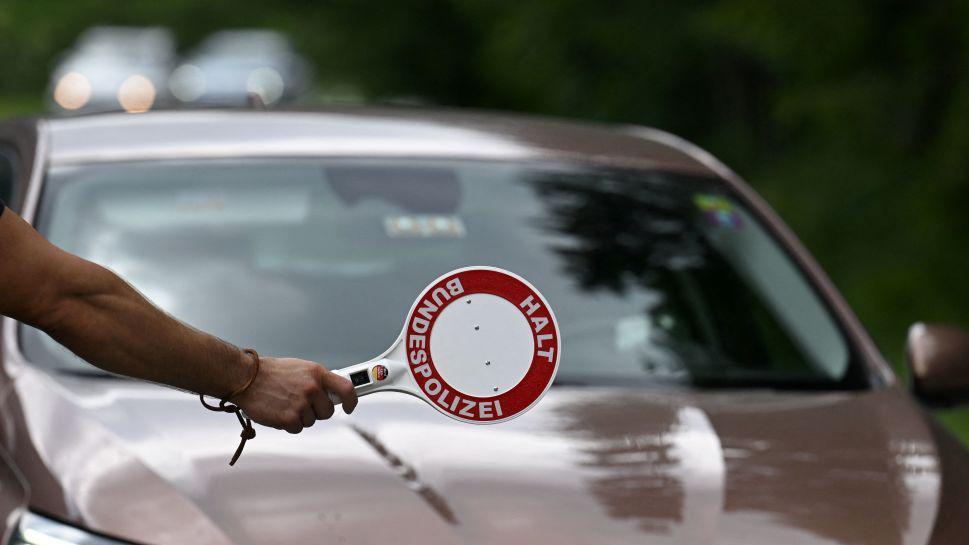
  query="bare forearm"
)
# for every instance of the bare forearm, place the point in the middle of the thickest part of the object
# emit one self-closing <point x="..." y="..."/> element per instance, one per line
<point x="108" y="323"/>
<point x="91" y="311"/>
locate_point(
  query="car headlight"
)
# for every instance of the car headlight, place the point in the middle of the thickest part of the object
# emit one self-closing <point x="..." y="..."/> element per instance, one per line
<point x="72" y="91"/>
<point x="187" y="82"/>
<point x="267" y="83"/>
<point x="34" y="529"/>
<point x="136" y="94"/>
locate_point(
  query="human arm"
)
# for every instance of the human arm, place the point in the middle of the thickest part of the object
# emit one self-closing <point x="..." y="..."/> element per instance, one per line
<point x="105" y="321"/>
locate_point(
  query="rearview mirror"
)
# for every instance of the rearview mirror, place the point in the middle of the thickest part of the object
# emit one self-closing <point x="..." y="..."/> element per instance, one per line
<point x="938" y="361"/>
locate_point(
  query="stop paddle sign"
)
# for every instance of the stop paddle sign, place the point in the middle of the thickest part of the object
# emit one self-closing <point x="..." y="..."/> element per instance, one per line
<point x="480" y="344"/>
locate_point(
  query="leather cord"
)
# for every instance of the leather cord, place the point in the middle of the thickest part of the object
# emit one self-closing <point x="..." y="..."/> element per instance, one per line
<point x="248" y="432"/>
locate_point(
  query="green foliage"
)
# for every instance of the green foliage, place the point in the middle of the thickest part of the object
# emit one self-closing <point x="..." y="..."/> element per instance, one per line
<point x="852" y="118"/>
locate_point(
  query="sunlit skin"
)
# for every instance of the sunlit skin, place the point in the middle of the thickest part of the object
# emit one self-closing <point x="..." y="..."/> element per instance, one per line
<point x="105" y="321"/>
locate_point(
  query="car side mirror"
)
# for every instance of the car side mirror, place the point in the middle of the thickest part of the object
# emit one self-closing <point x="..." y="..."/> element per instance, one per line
<point x="938" y="361"/>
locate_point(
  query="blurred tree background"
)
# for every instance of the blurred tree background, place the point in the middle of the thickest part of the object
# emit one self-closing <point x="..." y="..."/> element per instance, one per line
<point x="851" y="118"/>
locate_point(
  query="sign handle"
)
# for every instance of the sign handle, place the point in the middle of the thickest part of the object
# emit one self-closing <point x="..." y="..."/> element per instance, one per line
<point x="371" y="376"/>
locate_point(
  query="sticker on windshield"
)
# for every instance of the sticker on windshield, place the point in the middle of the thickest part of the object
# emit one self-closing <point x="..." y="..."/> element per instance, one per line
<point x="424" y="226"/>
<point x="718" y="211"/>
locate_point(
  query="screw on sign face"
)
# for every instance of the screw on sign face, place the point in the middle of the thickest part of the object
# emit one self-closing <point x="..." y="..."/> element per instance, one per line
<point x="480" y="344"/>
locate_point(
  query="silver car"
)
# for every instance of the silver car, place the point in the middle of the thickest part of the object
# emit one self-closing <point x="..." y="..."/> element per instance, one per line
<point x="231" y="65"/>
<point x="114" y="69"/>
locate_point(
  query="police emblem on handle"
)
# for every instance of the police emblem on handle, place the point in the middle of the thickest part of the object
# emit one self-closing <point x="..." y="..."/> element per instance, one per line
<point x="379" y="372"/>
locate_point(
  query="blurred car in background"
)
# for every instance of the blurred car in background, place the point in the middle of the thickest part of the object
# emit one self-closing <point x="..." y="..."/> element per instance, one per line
<point x="114" y="68"/>
<point x="232" y="64"/>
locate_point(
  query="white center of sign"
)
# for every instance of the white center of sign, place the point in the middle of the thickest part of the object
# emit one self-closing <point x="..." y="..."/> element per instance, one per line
<point x="482" y="345"/>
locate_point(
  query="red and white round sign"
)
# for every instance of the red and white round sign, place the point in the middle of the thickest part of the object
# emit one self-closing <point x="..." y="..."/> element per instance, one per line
<point x="482" y="345"/>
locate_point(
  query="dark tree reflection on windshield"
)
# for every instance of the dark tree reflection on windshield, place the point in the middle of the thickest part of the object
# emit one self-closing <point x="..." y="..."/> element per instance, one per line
<point x="711" y="319"/>
<point x="621" y="234"/>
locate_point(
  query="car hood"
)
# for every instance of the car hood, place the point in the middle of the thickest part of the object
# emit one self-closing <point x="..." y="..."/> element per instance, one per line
<point x="588" y="465"/>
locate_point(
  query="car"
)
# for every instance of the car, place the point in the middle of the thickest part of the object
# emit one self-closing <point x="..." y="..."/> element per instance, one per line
<point x="231" y="65"/>
<point x="113" y="69"/>
<point x="713" y="387"/>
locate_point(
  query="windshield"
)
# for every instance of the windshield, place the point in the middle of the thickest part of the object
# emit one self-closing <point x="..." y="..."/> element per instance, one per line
<point x="653" y="276"/>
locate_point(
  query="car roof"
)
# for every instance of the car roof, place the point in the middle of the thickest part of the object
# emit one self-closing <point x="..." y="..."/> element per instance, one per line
<point x="361" y="132"/>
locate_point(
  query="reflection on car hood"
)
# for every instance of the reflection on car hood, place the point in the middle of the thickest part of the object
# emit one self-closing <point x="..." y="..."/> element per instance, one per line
<point x="591" y="465"/>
